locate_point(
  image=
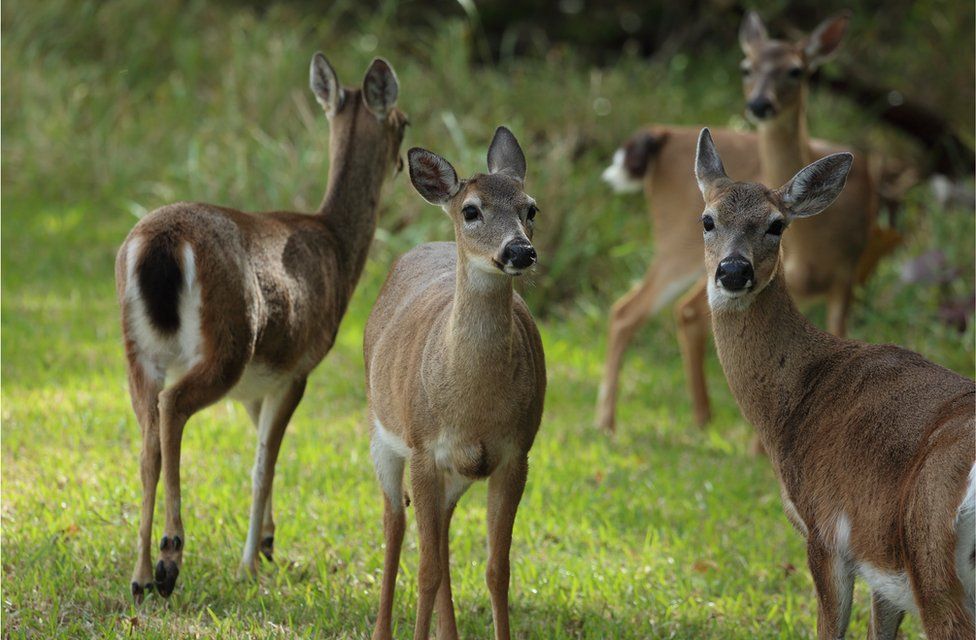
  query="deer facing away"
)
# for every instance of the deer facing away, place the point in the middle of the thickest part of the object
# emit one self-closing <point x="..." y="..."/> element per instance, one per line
<point x="456" y="377"/>
<point x="216" y="302"/>
<point x="775" y="78"/>
<point x="873" y="445"/>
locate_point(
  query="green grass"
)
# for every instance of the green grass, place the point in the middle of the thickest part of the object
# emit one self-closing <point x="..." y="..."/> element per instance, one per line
<point x="665" y="531"/>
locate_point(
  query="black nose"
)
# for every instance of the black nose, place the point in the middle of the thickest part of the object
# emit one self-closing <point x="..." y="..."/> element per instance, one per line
<point x="734" y="273"/>
<point x="518" y="254"/>
<point x="761" y="107"/>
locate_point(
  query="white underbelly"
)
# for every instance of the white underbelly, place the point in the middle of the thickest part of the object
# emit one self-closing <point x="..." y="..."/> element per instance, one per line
<point x="389" y="452"/>
<point x="893" y="586"/>
<point x="258" y="381"/>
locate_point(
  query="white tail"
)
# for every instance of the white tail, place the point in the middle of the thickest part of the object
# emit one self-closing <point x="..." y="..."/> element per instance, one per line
<point x="217" y="302"/>
<point x="619" y="177"/>
<point x="873" y="445"/>
<point x="775" y="77"/>
<point x="456" y="377"/>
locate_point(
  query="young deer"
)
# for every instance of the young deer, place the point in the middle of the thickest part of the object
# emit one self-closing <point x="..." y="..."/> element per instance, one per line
<point x="217" y="302"/>
<point x="775" y="76"/>
<point x="456" y="377"/>
<point x="873" y="445"/>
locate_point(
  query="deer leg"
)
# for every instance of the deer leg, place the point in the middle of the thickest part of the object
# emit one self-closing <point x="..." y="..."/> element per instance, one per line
<point x="946" y="619"/>
<point x="628" y="315"/>
<point x="940" y="596"/>
<point x="201" y="386"/>
<point x="389" y="465"/>
<point x="505" y="488"/>
<point x="394" y="524"/>
<point x="885" y="619"/>
<point x="454" y="487"/>
<point x="268" y="529"/>
<point x="268" y="525"/>
<point x="446" y="623"/>
<point x="427" y="483"/>
<point x="276" y="411"/>
<point x="144" y="392"/>
<point x="930" y="539"/>
<point x="833" y="578"/>
<point x="691" y="316"/>
<point x="881" y="242"/>
<point x="838" y="307"/>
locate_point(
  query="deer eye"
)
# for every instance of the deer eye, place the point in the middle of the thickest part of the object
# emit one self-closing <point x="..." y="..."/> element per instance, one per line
<point x="530" y="215"/>
<point x="746" y="70"/>
<point x="470" y="213"/>
<point x="795" y="72"/>
<point x="708" y="222"/>
<point x="776" y="228"/>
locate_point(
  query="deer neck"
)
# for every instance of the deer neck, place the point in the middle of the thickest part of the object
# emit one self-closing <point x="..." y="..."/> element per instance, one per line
<point x="784" y="144"/>
<point x="479" y="335"/>
<point x="357" y="168"/>
<point x="765" y="350"/>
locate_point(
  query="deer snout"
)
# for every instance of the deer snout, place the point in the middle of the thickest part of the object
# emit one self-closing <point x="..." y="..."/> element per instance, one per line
<point x="761" y="107"/>
<point x="735" y="273"/>
<point x="517" y="255"/>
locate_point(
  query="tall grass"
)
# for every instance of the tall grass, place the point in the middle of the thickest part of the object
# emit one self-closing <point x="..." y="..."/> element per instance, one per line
<point x="123" y="107"/>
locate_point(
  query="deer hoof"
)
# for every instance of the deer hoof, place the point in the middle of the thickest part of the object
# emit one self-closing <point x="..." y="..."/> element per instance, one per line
<point x="139" y="591"/>
<point x="166" y="573"/>
<point x="267" y="548"/>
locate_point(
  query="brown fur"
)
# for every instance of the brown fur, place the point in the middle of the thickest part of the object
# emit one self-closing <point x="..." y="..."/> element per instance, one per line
<point x="455" y="370"/>
<point x="273" y="288"/>
<point x="874" y="432"/>
<point x="782" y="146"/>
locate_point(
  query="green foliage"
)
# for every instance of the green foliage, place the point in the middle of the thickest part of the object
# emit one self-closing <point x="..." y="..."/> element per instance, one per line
<point x="883" y="47"/>
<point x="114" y="108"/>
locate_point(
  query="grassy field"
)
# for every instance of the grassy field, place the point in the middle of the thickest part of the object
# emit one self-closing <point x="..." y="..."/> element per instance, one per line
<point x="664" y="532"/>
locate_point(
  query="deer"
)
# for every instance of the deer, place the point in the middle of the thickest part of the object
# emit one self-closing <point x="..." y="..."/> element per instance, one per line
<point x="456" y="378"/>
<point x="775" y="83"/>
<point x="220" y="303"/>
<point x="873" y="446"/>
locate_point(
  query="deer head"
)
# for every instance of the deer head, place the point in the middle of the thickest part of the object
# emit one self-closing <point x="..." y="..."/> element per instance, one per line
<point x="743" y="222"/>
<point x="368" y="114"/>
<point x="493" y="216"/>
<point x="775" y="72"/>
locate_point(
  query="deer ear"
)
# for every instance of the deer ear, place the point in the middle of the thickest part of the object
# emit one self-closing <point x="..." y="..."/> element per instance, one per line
<point x="816" y="186"/>
<point x="432" y="176"/>
<point x="325" y="85"/>
<point x="752" y="32"/>
<point x="708" y="165"/>
<point x="380" y="88"/>
<point x="825" y="39"/>
<point x="505" y="155"/>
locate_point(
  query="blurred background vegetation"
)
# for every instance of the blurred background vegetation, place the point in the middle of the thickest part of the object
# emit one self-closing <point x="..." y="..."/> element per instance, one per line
<point x="113" y="108"/>
<point x="126" y="105"/>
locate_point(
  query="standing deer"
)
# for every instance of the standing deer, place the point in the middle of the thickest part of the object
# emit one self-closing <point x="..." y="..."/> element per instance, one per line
<point x="873" y="445"/>
<point x="456" y="377"/>
<point x="775" y="79"/>
<point x="216" y="302"/>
